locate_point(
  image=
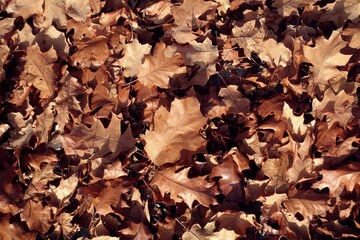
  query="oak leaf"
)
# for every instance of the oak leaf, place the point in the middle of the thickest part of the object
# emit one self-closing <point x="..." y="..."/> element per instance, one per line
<point x="92" y="53"/>
<point x="273" y="52"/>
<point x="24" y="8"/>
<point x="335" y="107"/>
<point x="202" y="57"/>
<point x="100" y="141"/>
<point x="346" y="176"/>
<point x="230" y="175"/>
<point x="288" y="7"/>
<point x="39" y="70"/>
<point x="158" y="12"/>
<point x="186" y="19"/>
<point x="175" y="131"/>
<point x="234" y="101"/>
<point x="134" y="53"/>
<point x="236" y="221"/>
<point x="137" y="222"/>
<point x="54" y="11"/>
<point x="43" y="124"/>
<point x="307" y="203"/>
<point x="294" y="124"/>
<point x="78" y="10"/>
<point x="10" y="229"/>
<point x="340" y="11"/>
<point x="104" y="195"/>
<point x="66" y="102"/>
<point x="36" y="216"/>
<point x="275" y="169"/>
<point x="157" y="69"/>
<point x="325" y="57"/>
<point x="183" y="188"/>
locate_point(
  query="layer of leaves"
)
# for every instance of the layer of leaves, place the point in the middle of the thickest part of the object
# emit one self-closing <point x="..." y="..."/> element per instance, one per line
<point x="185" y="119"/>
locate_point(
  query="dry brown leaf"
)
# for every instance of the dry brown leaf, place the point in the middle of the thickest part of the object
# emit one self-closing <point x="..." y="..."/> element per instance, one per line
<point x="134" y="53"/>
<point x="275" y="169"/>
<point x="39" y="70"/>
<point x="24" y="8"/>
<point x="14" y="229"/>
<point x="44" y="123"/>
<point x="186" y="19"/>
<point x="236" y="221"/>
<point x="202" y="56"/>
<point x="289" y="7"/>
<point x="78" y="10"/>
<point x="340" y="11"/>
<point x="182" y="188"/>
<point x="158" y="68"/>
<point x="325" y="57"/>
<point x="92" y="53"/>
<point x="345" y="177"/>
<point x="98" y="141"/>
<point x="36" y="216"/>
<point x="335" y="107"/>
<point x="230" y="175"/>
<point x="54" y="12"/>
<point x="175" y="131"/>
<point x="103" y="195"/>
<point x="307" y="203"/>
<point x="234" y="101"/>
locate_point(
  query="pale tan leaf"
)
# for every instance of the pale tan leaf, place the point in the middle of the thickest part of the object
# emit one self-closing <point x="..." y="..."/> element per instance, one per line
<point x="54" y="12"/>
<point x="78" y="10"/>
<point x="175" y="131"/>
<point x="325" y="57"/>
<point x="208" y="233"/>
<point x="25" y="8"/>
<point x="134" y="53"/>
<point x="157" y="69"/>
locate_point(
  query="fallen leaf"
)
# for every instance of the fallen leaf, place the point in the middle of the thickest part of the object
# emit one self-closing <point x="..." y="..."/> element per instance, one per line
<point x="174" y="131"/>
<point x="182" y="188"/>
<point x="157" y="69"/>
<point x="39" y="70"/>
